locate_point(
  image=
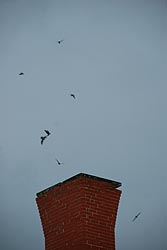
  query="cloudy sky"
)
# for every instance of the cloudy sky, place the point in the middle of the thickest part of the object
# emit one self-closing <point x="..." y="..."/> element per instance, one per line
<point x="113" y="59"/>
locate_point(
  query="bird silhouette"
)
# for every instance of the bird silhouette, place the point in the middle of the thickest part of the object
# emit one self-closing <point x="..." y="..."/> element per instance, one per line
<point x="137" y="215"/>
<point x="47" y="132"/>
<point x="21" y="74"/>
<point x="42" y="139"/>
<point x="58" y="162"/>
<point x="73" y="96"/>
<point x="60" y="41"/>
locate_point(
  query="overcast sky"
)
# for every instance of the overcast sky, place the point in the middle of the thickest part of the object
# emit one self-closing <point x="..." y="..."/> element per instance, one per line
<point x="113" y="59"/>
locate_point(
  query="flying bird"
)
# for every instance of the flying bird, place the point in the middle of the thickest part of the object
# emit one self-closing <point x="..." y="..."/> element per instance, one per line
<point x="60" y="41"/>
<point x="137" y="215"/>
<point x="73" y="96"/>
<point x="47" y="132"/>
<point x="42" y="139"/>
<point x="21" y="74"/>
<point x="58" y="162"/>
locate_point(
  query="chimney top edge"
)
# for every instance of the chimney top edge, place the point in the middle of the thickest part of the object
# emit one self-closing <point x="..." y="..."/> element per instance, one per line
<point x="114" y="183"/>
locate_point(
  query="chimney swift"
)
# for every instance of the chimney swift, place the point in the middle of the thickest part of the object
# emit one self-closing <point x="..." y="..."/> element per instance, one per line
<point x="60" y="41"/>
<point x="137" y="215"/>
<point x="73" y="96"/>
<point x="58" y="162"/>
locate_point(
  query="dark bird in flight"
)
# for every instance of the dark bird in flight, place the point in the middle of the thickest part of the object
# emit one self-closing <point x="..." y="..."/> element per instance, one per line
<point x="47" y="132"/>
<point x="42" y="139"/>
<point x="73" y="96"/>
<point x="58" y="162"/>
<point x="60" y="41"/>
<point x="137" y="215"/>
<point x="21" y="74"/>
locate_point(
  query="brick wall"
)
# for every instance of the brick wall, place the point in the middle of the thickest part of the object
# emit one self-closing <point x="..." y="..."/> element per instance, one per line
<point x="80" y="213"/>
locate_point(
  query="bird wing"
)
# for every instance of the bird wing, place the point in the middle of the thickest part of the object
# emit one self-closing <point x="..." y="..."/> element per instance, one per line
<point x="138" y="214"/>
<point x="134" y="218"/>
<point x="57" y="161"/>
<point x="73" y="96"/>
<point x="42" y="140"/>
<point x="47" y="132"/>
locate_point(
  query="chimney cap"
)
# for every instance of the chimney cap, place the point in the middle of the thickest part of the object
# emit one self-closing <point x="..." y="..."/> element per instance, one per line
<point x="114" y="183"/>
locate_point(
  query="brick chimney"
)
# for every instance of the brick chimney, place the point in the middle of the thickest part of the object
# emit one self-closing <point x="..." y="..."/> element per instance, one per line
<point x="79" y="213"/>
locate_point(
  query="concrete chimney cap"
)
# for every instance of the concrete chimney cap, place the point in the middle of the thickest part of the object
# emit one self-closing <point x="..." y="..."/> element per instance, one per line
<point x="114" y="183"/>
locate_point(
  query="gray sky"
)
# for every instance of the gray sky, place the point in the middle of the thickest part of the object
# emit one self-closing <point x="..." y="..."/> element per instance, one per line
<point x="113" y="59"/>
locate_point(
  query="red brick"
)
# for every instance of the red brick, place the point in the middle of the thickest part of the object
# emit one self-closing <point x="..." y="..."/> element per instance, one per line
<point x="79" y="214"/>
